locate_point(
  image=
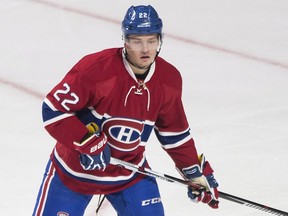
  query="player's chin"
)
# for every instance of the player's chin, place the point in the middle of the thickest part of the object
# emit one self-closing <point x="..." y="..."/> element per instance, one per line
<point x="145" y="61"/>
<point x="146" y="66"/>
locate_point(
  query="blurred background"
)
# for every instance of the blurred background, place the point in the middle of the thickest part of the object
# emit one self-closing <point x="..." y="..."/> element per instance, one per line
<point x="233" y="57"/>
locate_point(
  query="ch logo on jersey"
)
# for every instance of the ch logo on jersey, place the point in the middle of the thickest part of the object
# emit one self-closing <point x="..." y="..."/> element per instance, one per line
<point x="122" y="133"/>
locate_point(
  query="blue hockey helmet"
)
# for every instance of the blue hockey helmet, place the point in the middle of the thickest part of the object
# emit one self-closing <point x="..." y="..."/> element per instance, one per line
<point x="141" y="20"/>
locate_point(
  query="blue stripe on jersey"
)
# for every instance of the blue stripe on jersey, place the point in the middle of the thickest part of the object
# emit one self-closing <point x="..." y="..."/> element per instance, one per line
<point x="166" y="140"/>
<point x="86" y="116"/>
<point x="48" y="113"/>
<point x="146" y="133"/>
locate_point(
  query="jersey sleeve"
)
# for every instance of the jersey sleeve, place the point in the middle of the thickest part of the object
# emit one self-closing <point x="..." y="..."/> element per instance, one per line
<point x="171" y="127"/>
<point x="62" y="103"/>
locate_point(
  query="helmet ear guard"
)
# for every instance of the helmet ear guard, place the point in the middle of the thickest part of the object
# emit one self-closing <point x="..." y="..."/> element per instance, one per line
<point x="141" y="20"/>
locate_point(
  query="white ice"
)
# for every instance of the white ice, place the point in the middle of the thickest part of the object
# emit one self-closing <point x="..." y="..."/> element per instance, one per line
<point x="233" y="57"/>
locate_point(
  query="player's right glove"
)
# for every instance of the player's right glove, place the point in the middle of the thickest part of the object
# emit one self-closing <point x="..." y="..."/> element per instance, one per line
<point x="203" y="176"/>
<point x="96" y="162"/>
<point x="94" y="151"/>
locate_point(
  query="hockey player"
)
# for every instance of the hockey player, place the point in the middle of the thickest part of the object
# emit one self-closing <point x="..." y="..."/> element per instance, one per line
<point x="107" y="105"/>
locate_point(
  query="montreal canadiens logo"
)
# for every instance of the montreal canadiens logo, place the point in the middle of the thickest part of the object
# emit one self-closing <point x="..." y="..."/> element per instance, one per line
<point x="122" y="133"/>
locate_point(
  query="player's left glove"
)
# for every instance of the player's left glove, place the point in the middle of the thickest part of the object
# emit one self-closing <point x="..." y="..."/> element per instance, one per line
<point x="202" y="175"/>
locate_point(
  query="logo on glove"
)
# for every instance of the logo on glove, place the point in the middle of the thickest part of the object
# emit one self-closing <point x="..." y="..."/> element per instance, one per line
<point x="99" y="145"/>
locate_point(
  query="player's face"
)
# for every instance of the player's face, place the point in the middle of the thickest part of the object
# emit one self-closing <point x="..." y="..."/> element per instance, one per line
<point x="142" y="49"/>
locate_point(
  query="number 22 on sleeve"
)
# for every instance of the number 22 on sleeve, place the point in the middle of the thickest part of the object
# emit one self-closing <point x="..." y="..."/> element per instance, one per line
<point x="66" y="91"/>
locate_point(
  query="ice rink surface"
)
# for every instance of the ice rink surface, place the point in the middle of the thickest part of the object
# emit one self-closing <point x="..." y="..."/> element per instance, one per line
<point x="233" y="57"/>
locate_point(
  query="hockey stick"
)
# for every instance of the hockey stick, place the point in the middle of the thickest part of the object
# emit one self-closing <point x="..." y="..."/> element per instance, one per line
<point x="172" y="179"/>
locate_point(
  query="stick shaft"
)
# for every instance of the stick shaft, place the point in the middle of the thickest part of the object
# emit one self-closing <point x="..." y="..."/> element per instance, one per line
<point x="172" y="179"/>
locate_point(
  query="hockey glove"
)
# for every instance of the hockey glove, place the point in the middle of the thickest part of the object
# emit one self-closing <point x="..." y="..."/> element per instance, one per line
<point x="96" y="162"/>
<point x="94" y="151"/>
<point x="203" y="176"/>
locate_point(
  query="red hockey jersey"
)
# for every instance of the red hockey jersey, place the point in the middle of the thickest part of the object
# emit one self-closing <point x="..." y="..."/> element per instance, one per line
<point x="102" y="88"/>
